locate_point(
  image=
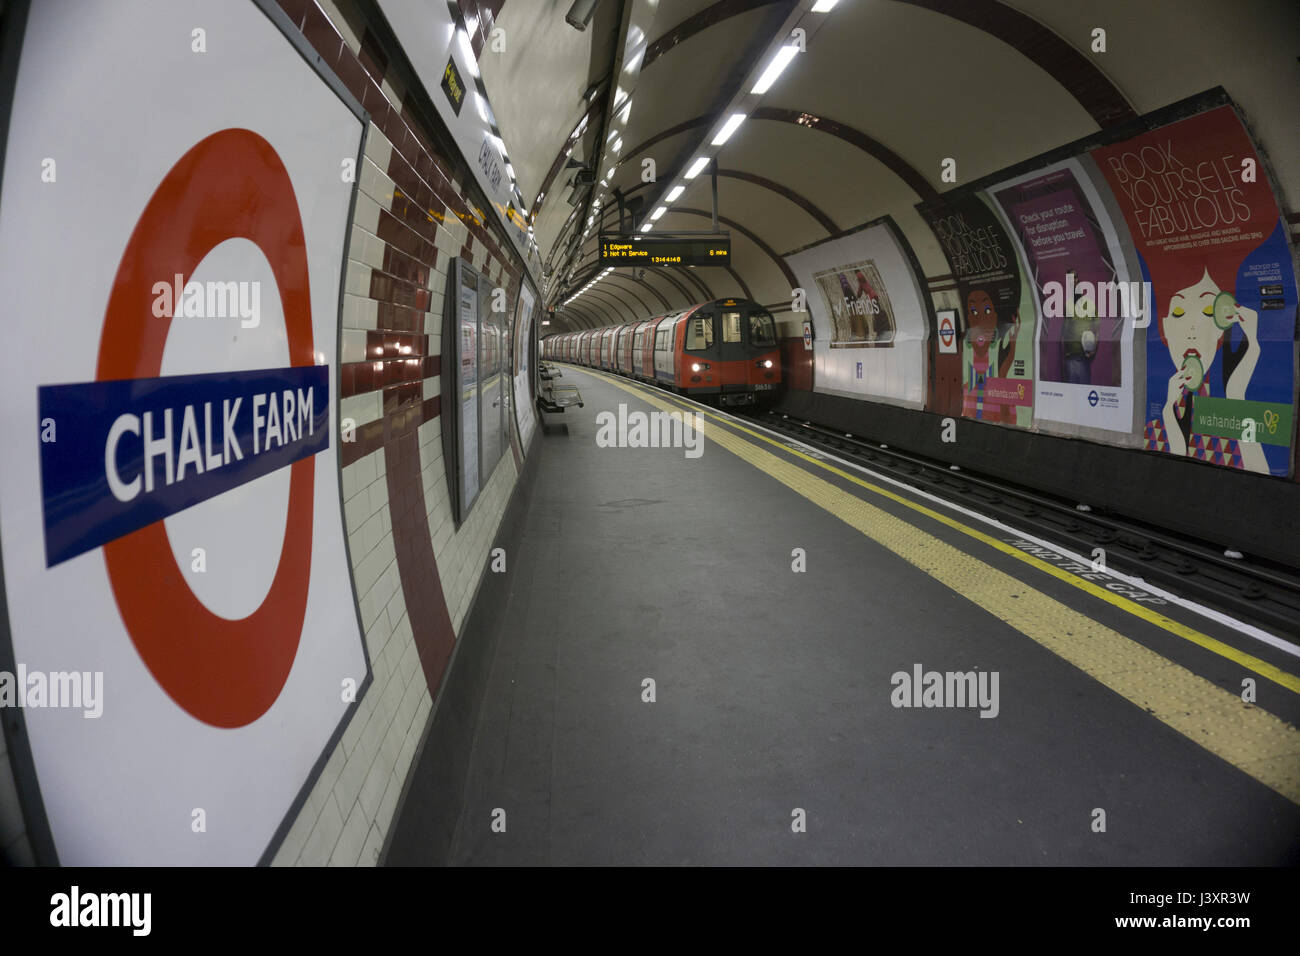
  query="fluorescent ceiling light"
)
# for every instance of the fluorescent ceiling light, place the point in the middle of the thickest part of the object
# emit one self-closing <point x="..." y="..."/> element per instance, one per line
<point x="654" y="216"/>
<point x="610" y="174"/>
<point x="647" y="227"/>
<point x="728" y="128"/>
<point x="777" y="66"/>
<point x="677" y="191"/>
<point x="467" y="49"/>
<point x="824" y="6"/>
<point x="697" y="168"/>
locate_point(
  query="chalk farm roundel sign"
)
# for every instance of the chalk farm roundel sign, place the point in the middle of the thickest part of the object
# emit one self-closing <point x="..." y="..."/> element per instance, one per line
<point x="224" y="672"/>
<point x="181" y="613"/>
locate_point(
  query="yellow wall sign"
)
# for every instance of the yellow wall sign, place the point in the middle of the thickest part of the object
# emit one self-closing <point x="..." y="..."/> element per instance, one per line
<point x="453" y="86"/>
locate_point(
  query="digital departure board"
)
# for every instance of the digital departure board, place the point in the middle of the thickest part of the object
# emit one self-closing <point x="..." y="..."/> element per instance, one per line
<point x="665" y="251"/>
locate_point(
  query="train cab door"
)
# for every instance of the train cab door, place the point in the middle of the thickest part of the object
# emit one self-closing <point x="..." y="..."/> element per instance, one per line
<point x="701" y="353"/>
<point x="733" y="366"/>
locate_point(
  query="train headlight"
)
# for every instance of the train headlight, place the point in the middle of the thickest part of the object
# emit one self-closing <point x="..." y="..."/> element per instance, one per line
<point x="767" y="363"/>
<point x="695" y="367"/>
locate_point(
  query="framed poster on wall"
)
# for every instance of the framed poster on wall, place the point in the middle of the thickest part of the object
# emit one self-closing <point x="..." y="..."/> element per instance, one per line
<point x="473" y="393"/>
<point x="525" y="342"/>
<point x="1068" y="245"/>
<point x="869" y="318"/>
<point x="460" y="359"/>
<point x="1221" y="337"/>
<point x="491" y="391"/>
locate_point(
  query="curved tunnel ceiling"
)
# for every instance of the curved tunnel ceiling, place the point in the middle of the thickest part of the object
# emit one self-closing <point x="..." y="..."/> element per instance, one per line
<point x="855" y="128"/>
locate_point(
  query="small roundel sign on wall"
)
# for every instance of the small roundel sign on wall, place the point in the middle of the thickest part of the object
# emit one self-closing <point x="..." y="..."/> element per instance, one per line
<point x="948" y="332"/>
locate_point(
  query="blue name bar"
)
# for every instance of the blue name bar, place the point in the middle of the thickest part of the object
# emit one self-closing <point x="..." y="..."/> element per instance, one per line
<point x="127" y="453"/>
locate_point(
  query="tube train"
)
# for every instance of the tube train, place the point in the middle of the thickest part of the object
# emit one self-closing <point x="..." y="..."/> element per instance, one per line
<point x="724" y="351"/>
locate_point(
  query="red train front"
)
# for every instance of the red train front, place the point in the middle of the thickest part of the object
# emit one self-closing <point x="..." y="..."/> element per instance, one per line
<point x="726" y="348"/>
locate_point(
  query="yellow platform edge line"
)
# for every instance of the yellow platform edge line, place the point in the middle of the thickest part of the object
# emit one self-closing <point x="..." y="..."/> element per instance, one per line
<point x="1252" y="740"/>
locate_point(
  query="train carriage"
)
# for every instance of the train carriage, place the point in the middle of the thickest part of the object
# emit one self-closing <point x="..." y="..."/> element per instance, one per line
<point x="623" y="362"/>
<point x="607" y="348"/>
<point x="724" y="351"/>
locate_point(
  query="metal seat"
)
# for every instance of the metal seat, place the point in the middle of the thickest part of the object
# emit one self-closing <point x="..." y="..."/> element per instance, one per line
<point x="556" y="398"/>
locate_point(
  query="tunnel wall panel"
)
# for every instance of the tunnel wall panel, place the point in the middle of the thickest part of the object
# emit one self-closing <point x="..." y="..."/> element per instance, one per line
<point x="413" y="576"/>
<point x="213" y="595"/>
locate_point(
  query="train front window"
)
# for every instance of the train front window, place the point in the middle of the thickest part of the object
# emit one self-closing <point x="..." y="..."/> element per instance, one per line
<point x="731" y="326"/>
<point x="699" y="333"/>
<point x="761" y="331"/>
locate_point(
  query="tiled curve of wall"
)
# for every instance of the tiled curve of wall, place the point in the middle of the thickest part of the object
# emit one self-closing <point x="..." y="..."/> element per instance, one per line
<point x="415" y="573"/>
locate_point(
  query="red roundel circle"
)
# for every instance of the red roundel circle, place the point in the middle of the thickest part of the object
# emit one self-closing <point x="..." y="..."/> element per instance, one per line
<point x="224" y="672"/>
<point x="946" y="331"/>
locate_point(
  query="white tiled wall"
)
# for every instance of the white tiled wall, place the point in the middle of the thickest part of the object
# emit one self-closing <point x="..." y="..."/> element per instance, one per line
<point x="348" y="814"/>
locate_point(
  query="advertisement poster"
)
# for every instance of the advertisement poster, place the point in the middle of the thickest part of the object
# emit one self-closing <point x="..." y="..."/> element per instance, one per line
<point x="1221" y="345"/>
<point x="525" y="412"/>
<point x="173" y="545"/>
<point x="468" y="384"/>
<point x="858" y="306"/>
<point x="869" y="320"/>
<point x="1085" y="303"/>
<point x="491" y="391"/>
<point x="998" y="311"/>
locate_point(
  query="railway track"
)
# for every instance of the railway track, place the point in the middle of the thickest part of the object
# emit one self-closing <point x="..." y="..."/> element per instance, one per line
<point x="1257" y="591"/>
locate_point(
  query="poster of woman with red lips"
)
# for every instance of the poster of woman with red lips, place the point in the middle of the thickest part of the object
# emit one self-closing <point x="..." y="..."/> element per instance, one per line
<point x="1211" y="241"/>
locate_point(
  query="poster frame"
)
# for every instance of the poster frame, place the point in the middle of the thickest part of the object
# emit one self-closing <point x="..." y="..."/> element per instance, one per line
<point x="453" y="445"/>
<point x="919" y="286"/>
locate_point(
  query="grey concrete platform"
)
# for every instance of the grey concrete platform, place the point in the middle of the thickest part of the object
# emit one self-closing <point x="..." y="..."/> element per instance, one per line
<point x="773" y="694"/>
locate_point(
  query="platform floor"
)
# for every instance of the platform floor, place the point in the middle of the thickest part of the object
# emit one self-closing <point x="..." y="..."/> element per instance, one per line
<point x="773" y="688"/>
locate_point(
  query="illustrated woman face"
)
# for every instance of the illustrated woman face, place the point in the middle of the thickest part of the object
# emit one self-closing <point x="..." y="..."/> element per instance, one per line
<point x="982" y="318"/>
<point x="1190" y="331"/>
